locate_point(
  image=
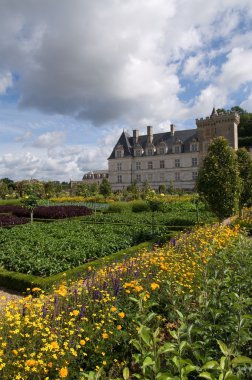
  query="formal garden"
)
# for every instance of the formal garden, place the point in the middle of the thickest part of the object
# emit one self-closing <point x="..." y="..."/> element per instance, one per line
<point x="133" y="285"/>
<point x="124" y="290"/>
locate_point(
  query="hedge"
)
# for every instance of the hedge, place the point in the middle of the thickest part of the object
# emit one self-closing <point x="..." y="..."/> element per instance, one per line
<point x="21" y="282"/>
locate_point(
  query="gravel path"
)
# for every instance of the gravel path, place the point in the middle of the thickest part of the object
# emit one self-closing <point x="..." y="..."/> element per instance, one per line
<point x="7" y="295"/>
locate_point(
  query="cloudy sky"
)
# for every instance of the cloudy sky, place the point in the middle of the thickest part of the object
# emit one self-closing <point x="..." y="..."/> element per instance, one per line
<point x="74" y="74"/>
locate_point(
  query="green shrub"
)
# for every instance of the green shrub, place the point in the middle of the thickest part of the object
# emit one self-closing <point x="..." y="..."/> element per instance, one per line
<point x="140" y="206"/>
<point x="117" y="207"/>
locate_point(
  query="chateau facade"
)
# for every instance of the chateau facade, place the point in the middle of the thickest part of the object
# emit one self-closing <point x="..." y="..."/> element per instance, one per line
<point x="171" y="157"/>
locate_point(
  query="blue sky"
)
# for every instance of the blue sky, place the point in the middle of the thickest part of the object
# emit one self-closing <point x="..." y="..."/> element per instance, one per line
<point x="74" y="74"/>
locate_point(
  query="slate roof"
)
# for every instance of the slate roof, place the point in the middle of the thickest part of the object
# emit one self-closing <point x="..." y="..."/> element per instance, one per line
<point x="186" y="137"/>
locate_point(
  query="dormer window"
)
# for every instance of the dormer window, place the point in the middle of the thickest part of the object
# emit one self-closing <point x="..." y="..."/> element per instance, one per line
<point x="119" y="151"/>
<point x="194" y="147"/>
<point x="138" y="152"/>
<point x="177" y="149"/>
<point x="177" y="146"/>
<point x="162" y="148"/>
<point x="149" y="152"/>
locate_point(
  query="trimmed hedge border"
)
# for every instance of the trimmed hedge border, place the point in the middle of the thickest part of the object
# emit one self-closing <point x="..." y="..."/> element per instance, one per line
<point x="21" y="282"/>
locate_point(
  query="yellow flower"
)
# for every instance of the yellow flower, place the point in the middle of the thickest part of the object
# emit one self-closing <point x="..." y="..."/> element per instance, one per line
<point x="62" y="291"/>
<point x="119" y="327"/>
<point x="105" y="336"/>
<point x="31" y="363"/>
<point x="154" y="286"/>
<point x="121" y="315"/>
<point x="63" y="372"/>
<point x="54" y="345"/>
<point x="113" y="308"/>
<point x="36" y="289"/>
<point x="15" y="352"/>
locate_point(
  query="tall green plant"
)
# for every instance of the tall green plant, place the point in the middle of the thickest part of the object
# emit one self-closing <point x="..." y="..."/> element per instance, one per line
<point x="218" y="181"/>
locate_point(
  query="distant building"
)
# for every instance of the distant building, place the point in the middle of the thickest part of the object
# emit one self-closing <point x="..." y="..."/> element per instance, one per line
<point x="171" y="157"/>
<point x="89" y="178"/>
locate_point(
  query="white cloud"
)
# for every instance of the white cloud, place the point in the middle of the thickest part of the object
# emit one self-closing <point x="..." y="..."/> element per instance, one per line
<point x="5" y="82"/>
<point x="237" y="70"/>
<point x="49" y="139"/>
<point x="113" y="64"/>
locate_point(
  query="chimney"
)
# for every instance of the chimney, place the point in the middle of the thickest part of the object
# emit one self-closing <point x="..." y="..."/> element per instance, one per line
<point x="149" y="134"/>
<point x="135" y="136"/>
<point x="172" y="129"/>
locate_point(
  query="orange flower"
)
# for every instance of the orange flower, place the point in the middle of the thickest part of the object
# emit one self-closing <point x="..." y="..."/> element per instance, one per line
<point x="54" y="345"/>
<point x="121" y="315"/>
<point x="82" y="342"/>
<point x="154" y="286"/>
<point x="63" y="372"/>
<point x="105" y="336"/>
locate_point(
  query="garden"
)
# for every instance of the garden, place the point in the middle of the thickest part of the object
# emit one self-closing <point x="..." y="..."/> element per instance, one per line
<point x="144" y="289"/>
<point x="179" y="311"/>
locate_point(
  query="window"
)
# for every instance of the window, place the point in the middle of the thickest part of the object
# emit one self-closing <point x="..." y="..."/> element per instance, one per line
<point x="138" y="165"/>
<point x="150" y="165"/>
<point x="118" y="153"/>
<point x="119" y="166"/>
<point x="177" y="176"/>
<point x="162" y="164"/>
<point x="177" y="163"/>
<point x="194" y="147"/>
<point x="119" y="179"/>
<point x="194" y="175"/>
<point x="194" y="161"/>
<point x="149" y="152"/>
<point x="177" y="149"/>
<point x="161" y="150"/>
<point x="138" y="153"/>
<point x="138" y="177"/>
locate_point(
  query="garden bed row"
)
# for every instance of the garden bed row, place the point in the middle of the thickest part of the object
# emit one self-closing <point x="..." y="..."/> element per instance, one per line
<point x="40" y="212"/>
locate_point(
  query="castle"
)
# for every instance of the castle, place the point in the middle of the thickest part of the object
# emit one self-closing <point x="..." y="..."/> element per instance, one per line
<point x="171" y="157"/>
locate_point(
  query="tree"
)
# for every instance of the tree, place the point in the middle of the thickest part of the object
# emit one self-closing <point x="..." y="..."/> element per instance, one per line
<point x="218" y="181"/>
<point x="238" y="109"/>
<point x="3" y="189"/>
<point x="9" y="183"/>
<point x="245" y="170"/>
<point x="30" y="187"/>
<point x="30" y="202"/>
<point x="105" y="188"/>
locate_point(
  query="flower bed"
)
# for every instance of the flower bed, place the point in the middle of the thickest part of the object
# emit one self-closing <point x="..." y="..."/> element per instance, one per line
<point x="12" y="220"/>
<point x="108" y="321"/>
<point x="48" y="212"/>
